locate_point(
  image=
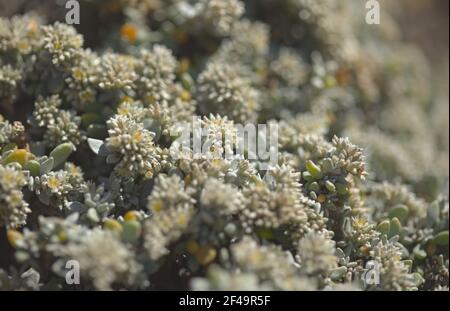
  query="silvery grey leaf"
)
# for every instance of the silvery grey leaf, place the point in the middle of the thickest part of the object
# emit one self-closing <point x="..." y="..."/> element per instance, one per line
<point x="47" y="166"/>
<point x="98" y="147"/>
<point x="44" y="198"/>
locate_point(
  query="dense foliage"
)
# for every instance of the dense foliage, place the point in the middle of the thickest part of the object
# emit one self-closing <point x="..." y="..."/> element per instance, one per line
<point x="88" y="172"/>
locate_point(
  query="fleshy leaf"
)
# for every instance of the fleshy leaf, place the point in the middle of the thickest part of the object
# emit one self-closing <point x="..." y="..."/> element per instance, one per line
<point x="47" y="166"/>
<point x="98" y="147"/>
<point x="61" y="153"/>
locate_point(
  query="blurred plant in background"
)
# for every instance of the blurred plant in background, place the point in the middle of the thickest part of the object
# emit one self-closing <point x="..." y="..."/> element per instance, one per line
<point x="87" y="117"/>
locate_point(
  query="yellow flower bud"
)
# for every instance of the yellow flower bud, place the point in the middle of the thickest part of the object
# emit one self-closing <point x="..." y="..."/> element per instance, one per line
<point x="14" y="237"/>
<point x="20" y="156"/>
<point x="205" y="255"/>
<point x="129" y="33"/>
<point x="131" y="215"/>
<point x="192" y="246"/>
<point x="112" y="224"/>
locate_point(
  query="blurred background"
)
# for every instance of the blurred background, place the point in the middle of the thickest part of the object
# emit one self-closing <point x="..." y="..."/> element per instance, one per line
<point x="423" y="22"/>
<point x="426" y="24"/>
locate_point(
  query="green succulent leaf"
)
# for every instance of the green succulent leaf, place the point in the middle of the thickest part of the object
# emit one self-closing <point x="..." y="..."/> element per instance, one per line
<point x="441" y="238"/>
<point x="314" y="169"/>
<point x="131" y="231"/>
<point x="396" y="227"/>
<point x="330" y="186"/>
<point x="61" y="153"/>
<point x="400" y="211"/>
<point x="384" y="227"/>
<point x="419" y="253"/>
<point x="34" y="167"/>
